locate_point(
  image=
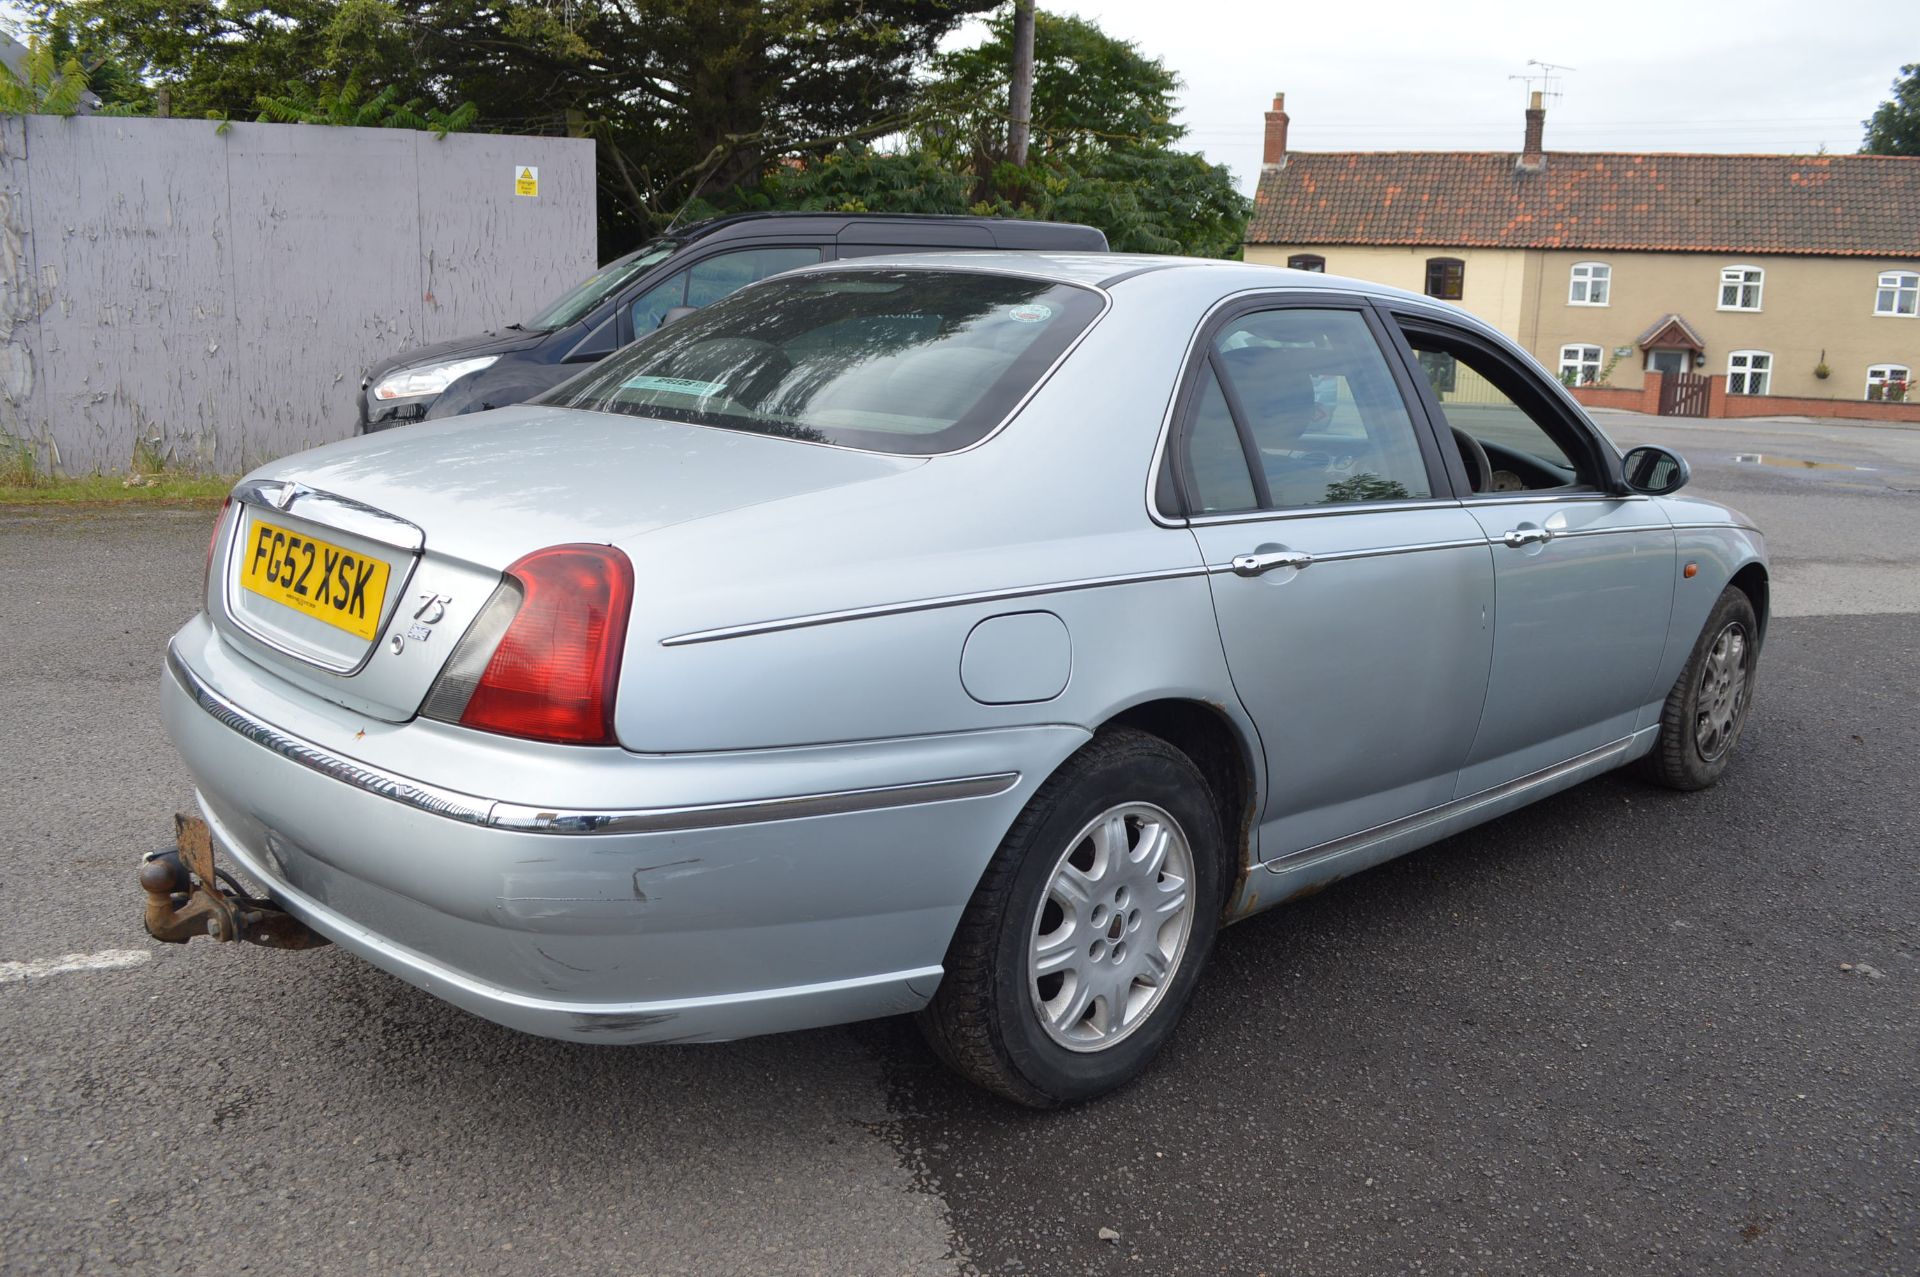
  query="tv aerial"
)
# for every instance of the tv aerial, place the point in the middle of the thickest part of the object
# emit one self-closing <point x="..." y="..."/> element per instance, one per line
<point x="1544" y="78"/>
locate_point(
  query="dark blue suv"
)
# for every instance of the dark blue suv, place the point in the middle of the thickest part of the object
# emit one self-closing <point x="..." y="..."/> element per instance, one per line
<point x="632" y="295"/>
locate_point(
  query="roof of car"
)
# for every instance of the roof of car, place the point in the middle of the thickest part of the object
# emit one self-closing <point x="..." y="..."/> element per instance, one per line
<point x="691" y="231"/>
<point x="1105" y="270"/>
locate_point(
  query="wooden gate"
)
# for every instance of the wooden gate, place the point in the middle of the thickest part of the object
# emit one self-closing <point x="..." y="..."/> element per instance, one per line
<point x="1683" y="394"/>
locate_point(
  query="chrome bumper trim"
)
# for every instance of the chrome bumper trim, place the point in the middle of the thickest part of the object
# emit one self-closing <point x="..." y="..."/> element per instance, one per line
<point x="521" y="818"/>
<point x="719" y="815"/>
<point x="465" y="808"/>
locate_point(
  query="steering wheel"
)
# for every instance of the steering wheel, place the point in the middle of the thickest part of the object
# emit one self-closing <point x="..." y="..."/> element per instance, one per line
<point x="1479" y="467"/>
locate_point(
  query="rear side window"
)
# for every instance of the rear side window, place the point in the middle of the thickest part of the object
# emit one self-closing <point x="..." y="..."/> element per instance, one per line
<point x="898" y="360"/>
<point x="1320" y="407"/>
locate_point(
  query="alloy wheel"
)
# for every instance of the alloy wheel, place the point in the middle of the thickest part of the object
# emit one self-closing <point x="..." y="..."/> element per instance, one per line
<point x="1112" y="928"/>
<point x="1722" y="692"/>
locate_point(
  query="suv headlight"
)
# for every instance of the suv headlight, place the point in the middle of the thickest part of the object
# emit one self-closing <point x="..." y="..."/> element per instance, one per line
<point x="428" y="379"/>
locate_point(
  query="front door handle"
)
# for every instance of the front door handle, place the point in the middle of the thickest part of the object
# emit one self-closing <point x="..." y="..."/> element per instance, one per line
<point x="1263" y="560"/>
<point x="1527" y="536"/>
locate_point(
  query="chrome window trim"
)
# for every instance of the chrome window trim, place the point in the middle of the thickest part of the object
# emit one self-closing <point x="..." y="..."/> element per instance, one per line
<point x="1586" y="496"/>
<point x="470" y="809"/>
<point x="1173" y="401"/>
<point x="1316" y="511"/>
<point x="1336" y="847"/>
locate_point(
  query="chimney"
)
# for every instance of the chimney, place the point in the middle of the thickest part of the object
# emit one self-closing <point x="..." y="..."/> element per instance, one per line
<point x="1534" y="157"/>
<point x="1275" y="155"/>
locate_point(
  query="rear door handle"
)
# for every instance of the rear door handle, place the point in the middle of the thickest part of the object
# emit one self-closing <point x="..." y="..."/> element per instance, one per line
<point x="1527" y="536"/>
<point x="1263" y="561"/>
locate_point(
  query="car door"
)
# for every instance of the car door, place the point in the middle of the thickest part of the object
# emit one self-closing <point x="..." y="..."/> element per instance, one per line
<point x="1354" y="595"/>
<point x="1583" y="568"/>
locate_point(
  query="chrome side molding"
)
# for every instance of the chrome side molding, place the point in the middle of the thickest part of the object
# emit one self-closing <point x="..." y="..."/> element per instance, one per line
<point x="1337" y="847"/>
<point x="522" y="818"/>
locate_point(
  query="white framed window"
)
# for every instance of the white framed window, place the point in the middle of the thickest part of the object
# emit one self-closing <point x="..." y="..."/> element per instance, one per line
<point x="1579" y="365"/>
<point x="1889" y="382"/>
<point x="1591" y="283"/>
<point x="1740" y="287"/>
<point x="1748" y="372"/>
<point x="1899" y="293"/>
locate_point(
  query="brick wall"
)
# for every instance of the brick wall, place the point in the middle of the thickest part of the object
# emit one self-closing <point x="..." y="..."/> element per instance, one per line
<point x="1722" y="404"/>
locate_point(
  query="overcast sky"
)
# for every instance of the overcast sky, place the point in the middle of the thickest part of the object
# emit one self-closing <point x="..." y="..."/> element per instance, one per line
<point x="1653" y="75"/>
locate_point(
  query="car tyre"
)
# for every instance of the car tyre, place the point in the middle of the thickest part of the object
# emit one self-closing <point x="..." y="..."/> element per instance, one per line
<point x="1707" y="708"/>
<point x="1083" y="942"/>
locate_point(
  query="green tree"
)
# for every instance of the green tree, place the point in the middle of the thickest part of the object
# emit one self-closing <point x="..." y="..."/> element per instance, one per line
<point x="1894" y="128"/>
<point x="47" y="83"/>
<point x="1104" y="144"/>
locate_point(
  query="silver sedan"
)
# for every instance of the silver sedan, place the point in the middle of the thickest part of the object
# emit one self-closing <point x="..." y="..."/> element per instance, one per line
<point x="970" y="636"/>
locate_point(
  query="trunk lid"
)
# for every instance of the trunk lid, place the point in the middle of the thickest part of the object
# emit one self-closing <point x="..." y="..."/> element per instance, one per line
<point x="354" y="569"/>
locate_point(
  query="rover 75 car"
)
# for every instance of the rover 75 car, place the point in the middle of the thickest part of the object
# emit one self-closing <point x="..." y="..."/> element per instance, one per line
<point x="969" y="635"/>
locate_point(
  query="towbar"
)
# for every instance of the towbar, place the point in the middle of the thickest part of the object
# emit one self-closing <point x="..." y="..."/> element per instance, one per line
<point x="186" y="898"/>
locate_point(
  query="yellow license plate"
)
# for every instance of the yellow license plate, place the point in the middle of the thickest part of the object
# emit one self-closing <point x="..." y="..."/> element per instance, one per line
<point x="329" y="583"/>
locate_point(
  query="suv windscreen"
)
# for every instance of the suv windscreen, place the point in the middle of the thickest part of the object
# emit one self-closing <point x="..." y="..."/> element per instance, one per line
<point x="595" y="288"/>
<point x="896" y="360"/>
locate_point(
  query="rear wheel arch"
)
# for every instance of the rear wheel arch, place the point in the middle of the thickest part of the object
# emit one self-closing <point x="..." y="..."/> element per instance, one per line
<point x="1222" y="752"/>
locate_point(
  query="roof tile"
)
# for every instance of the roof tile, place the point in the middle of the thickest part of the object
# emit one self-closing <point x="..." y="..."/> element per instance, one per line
<point x="1847" y="205"/>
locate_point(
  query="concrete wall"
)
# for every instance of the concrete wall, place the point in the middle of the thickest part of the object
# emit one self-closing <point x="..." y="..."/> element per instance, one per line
<point x="223" y="293"/>
<point x="1809" y="305"/>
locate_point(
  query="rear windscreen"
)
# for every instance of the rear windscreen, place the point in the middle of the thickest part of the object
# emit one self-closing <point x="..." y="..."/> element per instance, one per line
<point x="892" y="360"/>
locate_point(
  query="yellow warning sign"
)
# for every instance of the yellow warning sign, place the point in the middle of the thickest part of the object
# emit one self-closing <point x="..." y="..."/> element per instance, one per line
<point x="526" y="180"/>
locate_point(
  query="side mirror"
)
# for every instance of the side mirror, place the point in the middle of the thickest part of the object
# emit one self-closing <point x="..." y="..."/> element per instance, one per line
<point x="676" y="314"/>
<point x="1654" y="471"/>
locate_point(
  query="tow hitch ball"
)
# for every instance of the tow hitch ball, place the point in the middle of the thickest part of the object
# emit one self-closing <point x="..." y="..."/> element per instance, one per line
<point x="186" y="898"/>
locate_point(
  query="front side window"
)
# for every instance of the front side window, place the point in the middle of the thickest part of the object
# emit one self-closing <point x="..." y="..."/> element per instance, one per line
<point x="1748" y="372"/>
<point x="898" y="360"/>
<point x="1486" y="400"/>
<point x="708" y="281"/>
<point x="1887" y="383"/>
<point x="1579" y="365"/>
<point x="716" y="277"/>
<point x="1307" y="261"/>
<point x="1899" y="293"/>
<point x="650" y="307"/>
<point x="1590" y="285"/>
<point x="1315" y="408"/>
<point x="595" y="288"/>
<point x="1446" y="278"/>
<point x="1740" y="287"/>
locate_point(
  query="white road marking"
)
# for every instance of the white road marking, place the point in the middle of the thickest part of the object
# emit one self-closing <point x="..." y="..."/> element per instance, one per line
<point x="105" y="960"/>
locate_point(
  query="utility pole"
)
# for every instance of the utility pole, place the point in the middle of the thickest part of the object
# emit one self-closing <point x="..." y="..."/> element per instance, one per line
<point x="1020" y="122"/>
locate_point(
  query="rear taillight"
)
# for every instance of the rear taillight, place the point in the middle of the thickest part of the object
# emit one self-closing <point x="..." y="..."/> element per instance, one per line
<point x="213" y="540"/>
<point x="543" y="657"/>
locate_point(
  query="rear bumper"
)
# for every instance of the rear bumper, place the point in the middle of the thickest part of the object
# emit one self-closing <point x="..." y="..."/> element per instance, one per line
<point x="725" y="913"/>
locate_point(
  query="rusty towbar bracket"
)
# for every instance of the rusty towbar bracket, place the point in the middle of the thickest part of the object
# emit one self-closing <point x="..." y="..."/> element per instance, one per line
<point x="185" y="898"/>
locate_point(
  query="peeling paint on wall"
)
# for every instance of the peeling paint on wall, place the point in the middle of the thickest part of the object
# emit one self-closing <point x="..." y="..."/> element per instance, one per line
<point x="218" y="296"/>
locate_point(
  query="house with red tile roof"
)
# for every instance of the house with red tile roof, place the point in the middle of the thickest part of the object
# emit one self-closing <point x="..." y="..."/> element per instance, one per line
<point x="1783" y="275"/>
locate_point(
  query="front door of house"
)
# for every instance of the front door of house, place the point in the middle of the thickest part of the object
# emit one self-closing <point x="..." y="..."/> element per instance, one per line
<point x="1668" y="361"/>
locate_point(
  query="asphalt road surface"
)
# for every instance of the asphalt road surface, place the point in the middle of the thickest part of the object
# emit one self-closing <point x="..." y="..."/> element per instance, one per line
<point x="1621" y="1031"/>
